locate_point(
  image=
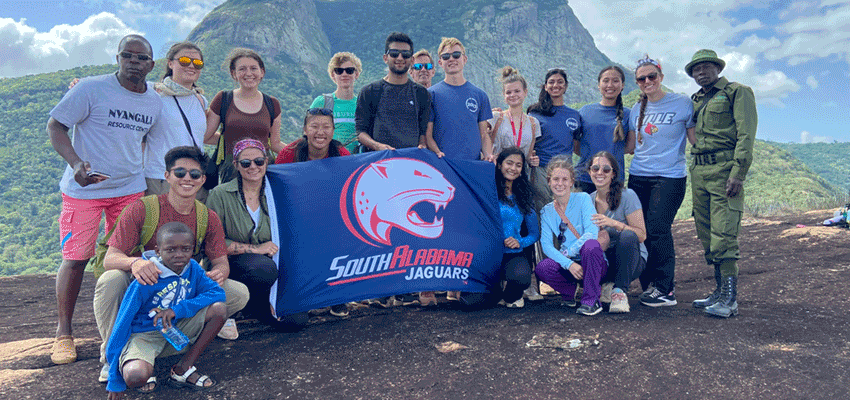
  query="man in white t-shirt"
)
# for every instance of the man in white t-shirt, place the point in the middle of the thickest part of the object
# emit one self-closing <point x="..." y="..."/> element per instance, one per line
<point x="111" y="114"/>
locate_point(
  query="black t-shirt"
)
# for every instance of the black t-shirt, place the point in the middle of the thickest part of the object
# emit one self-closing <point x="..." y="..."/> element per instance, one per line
<point x="393" y="114"/>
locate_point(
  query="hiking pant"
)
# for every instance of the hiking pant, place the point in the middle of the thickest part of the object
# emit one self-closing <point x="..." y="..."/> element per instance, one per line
<point x="717" y="217"/>
<point x="592" y="262"/>
<point x="109" y="292"/>
<point x="625" y="263"/>
<point x="660" y="199"/>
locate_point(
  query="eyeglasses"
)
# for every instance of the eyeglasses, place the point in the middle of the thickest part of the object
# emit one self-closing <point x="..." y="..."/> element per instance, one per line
<point x="186" y="61"/>
<point x="394" y="53"/>
<point x="246" y="163"/>
<point x="419" y="66"/>
<point x="320" y="111"/>
<point x="455" y="55"/>
<point x="653" y="76"/>
<point x="128" y="55"/>
<point x="180" y="173"/>
<point x="347" y="70"/>
<point x="562" y="227"/>
<point x="605" y="168"/>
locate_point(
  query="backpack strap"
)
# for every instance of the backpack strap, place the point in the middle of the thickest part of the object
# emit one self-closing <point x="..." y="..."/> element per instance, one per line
<point x="226" y="99"/>
<point x="201" y="222"/>
<point x="329" y="101"/>
<point x="151" y="219"/>
<point x="267" y="100"/>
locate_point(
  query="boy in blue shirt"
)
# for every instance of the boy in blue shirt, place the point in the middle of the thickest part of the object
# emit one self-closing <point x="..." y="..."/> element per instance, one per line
<point x="183" y="296"/>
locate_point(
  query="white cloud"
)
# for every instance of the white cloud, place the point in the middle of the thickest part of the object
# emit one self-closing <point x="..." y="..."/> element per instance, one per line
<point x="179" y="16"/>
<point x="812" y="82"/>
<point x="26" y="51"/>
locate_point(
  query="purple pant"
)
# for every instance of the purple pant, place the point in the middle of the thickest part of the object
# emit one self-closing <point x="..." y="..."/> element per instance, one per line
<point x="592" y="262"/>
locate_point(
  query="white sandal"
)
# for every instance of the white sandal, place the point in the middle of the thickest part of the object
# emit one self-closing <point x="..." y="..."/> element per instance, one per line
<point x="180" y="380"/>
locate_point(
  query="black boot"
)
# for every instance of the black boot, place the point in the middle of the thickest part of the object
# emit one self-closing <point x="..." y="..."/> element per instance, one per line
<point x="713" y="296"/>
<point x="727" y="305"/>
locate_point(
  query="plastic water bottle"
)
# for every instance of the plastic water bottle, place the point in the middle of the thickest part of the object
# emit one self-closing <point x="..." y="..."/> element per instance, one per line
<point x="174" y="336"/>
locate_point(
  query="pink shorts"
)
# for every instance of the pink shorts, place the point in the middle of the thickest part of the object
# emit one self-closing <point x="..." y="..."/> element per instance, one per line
<point x="80" y="220"/>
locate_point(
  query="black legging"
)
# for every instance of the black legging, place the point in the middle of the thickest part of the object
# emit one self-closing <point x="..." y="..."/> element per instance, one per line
<point x="516" y="272"/>
<point x="624" y="261"/>
<point x="660" y="199"/>
<point x="258" y="272"/>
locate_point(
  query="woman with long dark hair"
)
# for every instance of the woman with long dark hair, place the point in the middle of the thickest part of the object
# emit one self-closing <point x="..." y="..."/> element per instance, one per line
<point x="605" y="126"/>
<point x="250" y="113"/>
<point x="559" y="126"/>
<point x="317" y="142"/>
<point x="619" y="217"/>
<point x="657" y="174"/>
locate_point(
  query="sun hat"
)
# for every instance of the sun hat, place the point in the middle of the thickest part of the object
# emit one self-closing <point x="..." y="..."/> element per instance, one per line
<point x="704" y="55"/>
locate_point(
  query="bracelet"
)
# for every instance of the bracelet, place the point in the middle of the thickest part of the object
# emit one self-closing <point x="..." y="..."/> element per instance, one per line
<point x="134" y="261"/>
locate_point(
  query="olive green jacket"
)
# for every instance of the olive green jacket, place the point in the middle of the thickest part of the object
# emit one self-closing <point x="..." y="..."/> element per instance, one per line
<point x="727" y="122"/>
<point x="238" y="225"/>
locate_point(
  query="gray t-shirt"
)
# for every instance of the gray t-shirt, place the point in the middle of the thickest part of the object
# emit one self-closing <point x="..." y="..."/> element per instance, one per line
<point x="629" y="203"/>
<point x="396" y="122"/>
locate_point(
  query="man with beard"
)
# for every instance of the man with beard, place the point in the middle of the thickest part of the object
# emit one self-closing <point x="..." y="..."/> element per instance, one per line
<point x="726" y="121"/>
<point x="111" y="114"/>
<point x="393" y="112"/>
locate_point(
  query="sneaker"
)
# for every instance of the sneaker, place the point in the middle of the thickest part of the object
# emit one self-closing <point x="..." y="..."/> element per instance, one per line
<point x="589" y="310"/>
<point x="104" y="374"/>
<point x="619" y="302"/>
<point x="647" y="291"/>
<point x="339" y="310"/>
<point x="517" y="304"/>
<point x="531" y="294"/>
<point x="569" y="303"/>
<point x="658" y="299"/>
<point x="607" y="287"/>
<point x="229" y="331"/>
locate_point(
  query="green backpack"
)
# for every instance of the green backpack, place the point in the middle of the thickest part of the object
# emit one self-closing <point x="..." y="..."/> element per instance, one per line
<point x="148" y="228"/>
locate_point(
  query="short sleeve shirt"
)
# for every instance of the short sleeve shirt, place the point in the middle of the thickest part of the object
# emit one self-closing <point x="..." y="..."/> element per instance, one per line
<point x="520" y="134"/>
<point x="240" y="125"/>
<point x="664" y="133"/>
<point x="108" y="124"/>
<point x="597" y="124"/>
<point x="629" y="203"/>
<point x="128" y="229"/>
<point x="456" y="112"/>
<point x="343" y="119"/>
<point x="557" y="133"/>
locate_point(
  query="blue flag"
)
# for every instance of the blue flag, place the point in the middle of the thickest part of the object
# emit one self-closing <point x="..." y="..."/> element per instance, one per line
<point x="383" y="223"/>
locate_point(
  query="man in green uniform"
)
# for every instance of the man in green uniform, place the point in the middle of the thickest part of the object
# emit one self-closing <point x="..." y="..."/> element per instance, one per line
<point x="726" y="120"/>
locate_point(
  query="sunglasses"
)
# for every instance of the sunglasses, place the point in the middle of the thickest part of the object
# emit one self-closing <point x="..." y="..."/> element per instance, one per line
<point x="347" y="70"/>
<point x="140" y="57"/>
<point x="186" y="61"/>
<point x="653" y="76"/>
<point x="455" y="55"/>
<point x="246" y="163"/>
<point x="605" y="168"/>
<point x="320" y="111"/>
<point x="419" y="66"/>
<point x="562" y="227"/>
<point x="394" y="53"/>
<point x="180" y="173"/>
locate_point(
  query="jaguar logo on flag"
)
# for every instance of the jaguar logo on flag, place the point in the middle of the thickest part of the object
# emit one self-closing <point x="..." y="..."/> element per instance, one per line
<point x="395" y="193"/>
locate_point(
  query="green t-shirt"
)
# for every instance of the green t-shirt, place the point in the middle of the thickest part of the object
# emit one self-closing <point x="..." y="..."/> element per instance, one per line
<point x="343" y="120"/>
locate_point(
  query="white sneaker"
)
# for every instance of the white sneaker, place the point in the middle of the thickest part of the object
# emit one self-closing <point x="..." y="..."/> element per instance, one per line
<point x="619" y="302"/>
<point x="517" y="304"/>
<point x="229" y="331"/>
<point x="531" y="294"/>
<point x="607" y="287"/>
<point x="104" y="373"/>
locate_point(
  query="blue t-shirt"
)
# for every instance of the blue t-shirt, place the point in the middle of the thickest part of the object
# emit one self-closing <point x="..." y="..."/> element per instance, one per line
<point x="556" y="133"/>
<point x="456" y="112"/>
<point x="597" y="123"/>
<point x="664" y="132"/>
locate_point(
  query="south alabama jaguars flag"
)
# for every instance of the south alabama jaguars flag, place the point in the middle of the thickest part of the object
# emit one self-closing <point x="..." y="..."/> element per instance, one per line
<point x="379" y="224"/>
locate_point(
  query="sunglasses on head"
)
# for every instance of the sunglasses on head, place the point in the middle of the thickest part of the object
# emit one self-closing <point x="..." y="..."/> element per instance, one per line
<point x="455" y="55"/>
<point x="394" y="53"/>
<point x="320" y="111"/>
<point x="259" y="161"/>
<point x="186" y="61"/>
<point x="347" y="70"/>
<point x="605" y="168"/>
<point x="180" y="173"/>
<point x="653" y="76"/>
<point x="419" y="66"/>
<point x="128" y="55"/>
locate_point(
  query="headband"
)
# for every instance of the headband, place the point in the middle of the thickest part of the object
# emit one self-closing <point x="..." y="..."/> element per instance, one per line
<point x="246" y="144"/>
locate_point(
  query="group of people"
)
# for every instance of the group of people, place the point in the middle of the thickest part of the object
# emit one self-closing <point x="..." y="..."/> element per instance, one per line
<point x="594" y="231"/>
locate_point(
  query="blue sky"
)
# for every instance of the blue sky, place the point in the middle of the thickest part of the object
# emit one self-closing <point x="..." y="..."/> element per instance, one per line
<point x="794" y="54"/>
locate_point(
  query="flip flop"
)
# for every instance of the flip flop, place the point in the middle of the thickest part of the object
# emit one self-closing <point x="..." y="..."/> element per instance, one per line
<point x="141" y="389"/>
<point x="181" y="380"/>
